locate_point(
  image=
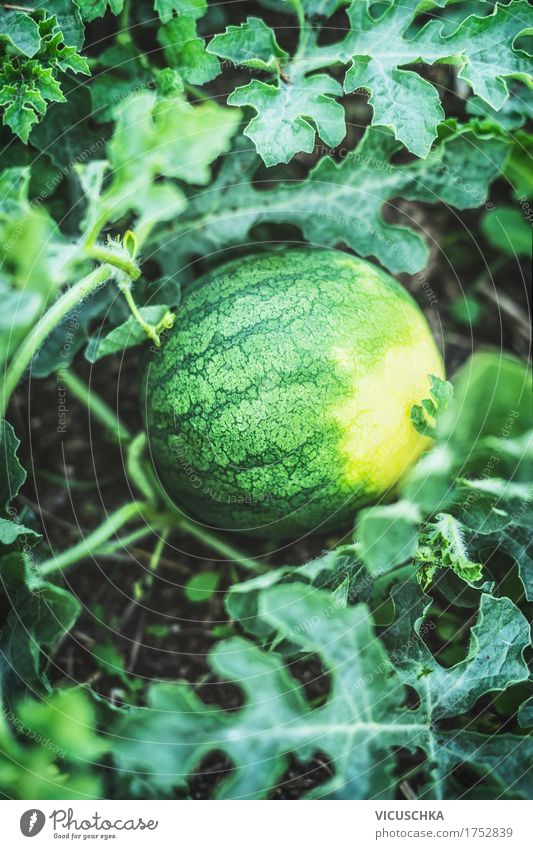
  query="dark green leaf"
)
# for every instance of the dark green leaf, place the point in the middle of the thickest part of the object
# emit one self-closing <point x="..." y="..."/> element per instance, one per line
<point x="27" y="85"/>
<point x="41" y="613"/>
<point x="12" y="474"/>
<point x="494" y="660"/>
<point x="339" y="203"/>
<point x="361" y="720"/>
<point x="504" y="759"/>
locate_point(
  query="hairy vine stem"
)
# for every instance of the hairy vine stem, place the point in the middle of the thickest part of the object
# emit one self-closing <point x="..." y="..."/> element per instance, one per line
<point x="89" y="546"/>
<point x="114" y="262"/>
<point x="64" y="304"/>
<point x="96" y="406"/>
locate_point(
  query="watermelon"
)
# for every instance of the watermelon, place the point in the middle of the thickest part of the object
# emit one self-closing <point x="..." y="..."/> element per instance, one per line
<point x="281" y="399"/>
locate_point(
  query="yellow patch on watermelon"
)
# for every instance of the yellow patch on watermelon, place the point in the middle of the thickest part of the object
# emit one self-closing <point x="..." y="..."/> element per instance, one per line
<point x="380" y="442"/>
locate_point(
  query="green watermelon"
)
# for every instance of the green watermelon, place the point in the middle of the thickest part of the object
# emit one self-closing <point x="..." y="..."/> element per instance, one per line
<point x="281" y="400"/>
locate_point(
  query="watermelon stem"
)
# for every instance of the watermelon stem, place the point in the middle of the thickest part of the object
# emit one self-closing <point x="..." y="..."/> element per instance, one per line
<point x="51" y="318"/>
<point x="150" y="329"/>
<point x="96" y="406"/>
<point x="213" y="541"/>
<point x="90" y="545"/>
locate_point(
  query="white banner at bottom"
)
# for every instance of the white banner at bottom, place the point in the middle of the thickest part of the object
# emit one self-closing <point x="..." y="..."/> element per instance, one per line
<point x="252" y="825"/>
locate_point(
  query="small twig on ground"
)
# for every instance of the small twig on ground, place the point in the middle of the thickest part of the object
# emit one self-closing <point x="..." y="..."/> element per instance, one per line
<point x="136" y="646"/>
<point x="408" y="791"/>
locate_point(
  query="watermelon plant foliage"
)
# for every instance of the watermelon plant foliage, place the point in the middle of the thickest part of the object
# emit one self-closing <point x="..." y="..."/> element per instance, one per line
<point x="143" y="145"/>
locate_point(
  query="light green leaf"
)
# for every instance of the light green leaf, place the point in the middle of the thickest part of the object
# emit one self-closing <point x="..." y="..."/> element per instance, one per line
<point x="68" y="17"/>
<point x="191" y="8"/>
<point x="424" y="416"/>
<point x="12" y="531"/>
<point x="295" y="106"/>
<point x="64" y="767"/>
<point x="517" y="109"/>
<point x="324" y="8"/>
<point x="282" y="126"/>
<point x="167" y="137"/>
<point x="91" y="9"/>
<point x="19" y="114"/>
<point x="506" y="229"/>
<point x="484" y="49"/>
<point x="202" y="587"/>
<point x="403" y="100"/>
<point x="185" y="51"/>
<point x="492" y="398"/>
<point x="252" y="44"/>
<point x="442" y="545"/>
<point x="331" y="570"/>
<point x="387" y="535"/>
<point x="517" y="168"/>
<point x="32" y="255"/>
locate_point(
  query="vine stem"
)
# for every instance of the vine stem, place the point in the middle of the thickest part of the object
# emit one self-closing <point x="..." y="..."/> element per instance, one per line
<point x="105" y="255"/>
<point x="177" y="519"/>
<point x="149" y="329"/>
<point x="158" y="550"/>
<point x="91" y="543"/>
<point x="124" y="542"/>
<point x="213" y="542"/>
<point x="147" y="581"/>
<point x="95" y="405"/>
<point x="124" y="35"/>
<point x="46" y="324"/>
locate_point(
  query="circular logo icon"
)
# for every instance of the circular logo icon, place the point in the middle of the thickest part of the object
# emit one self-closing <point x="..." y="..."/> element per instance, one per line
<point x="32" y="822"/>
